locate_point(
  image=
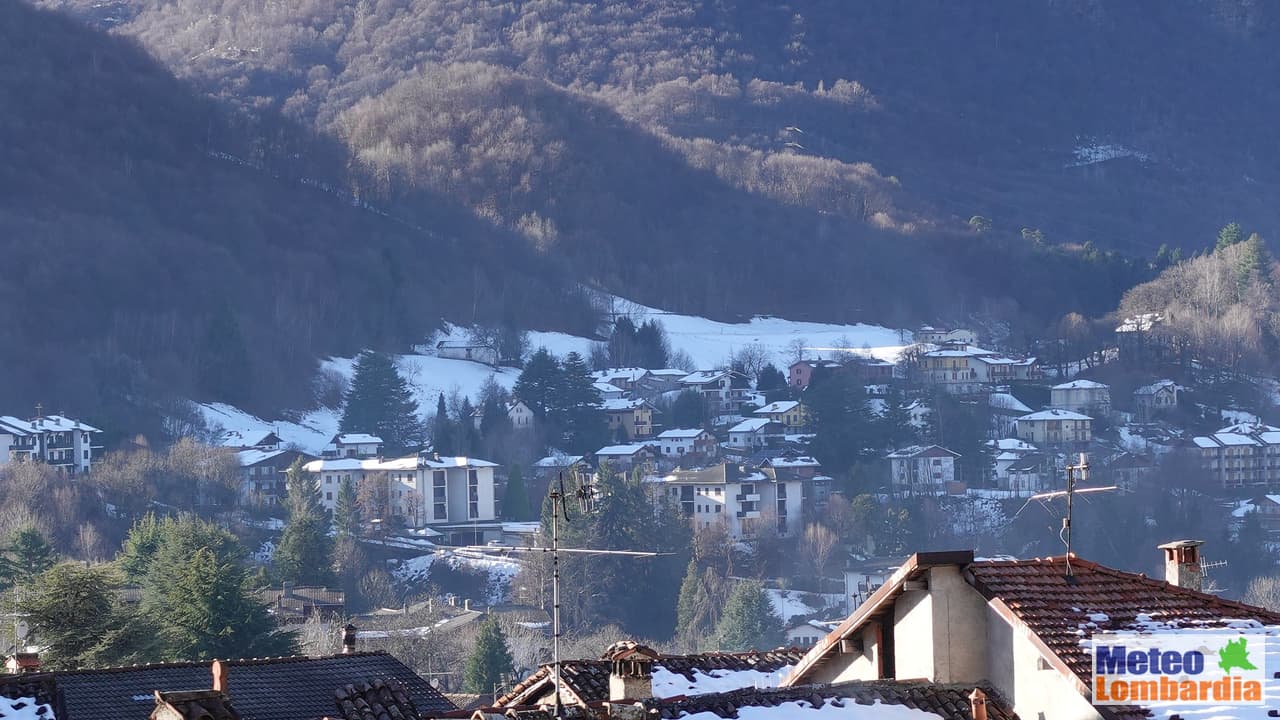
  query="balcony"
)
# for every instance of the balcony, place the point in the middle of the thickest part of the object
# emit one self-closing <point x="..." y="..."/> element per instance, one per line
<point x="748" y="514"/>
<point x="748" y="497"/>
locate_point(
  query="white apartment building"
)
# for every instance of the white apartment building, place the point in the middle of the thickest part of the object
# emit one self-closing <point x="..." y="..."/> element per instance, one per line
<point x="59" y="441"/>
<point x="741" y="498"/>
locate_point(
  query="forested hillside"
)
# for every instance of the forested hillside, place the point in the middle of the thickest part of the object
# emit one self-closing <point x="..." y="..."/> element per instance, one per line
<point x="718" y="141"/>
<point x="153" y="245"/>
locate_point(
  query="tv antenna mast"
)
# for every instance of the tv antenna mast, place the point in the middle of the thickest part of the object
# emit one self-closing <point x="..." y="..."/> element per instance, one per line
<point x="585" y="494"/>
<point x="1078" y="471"/>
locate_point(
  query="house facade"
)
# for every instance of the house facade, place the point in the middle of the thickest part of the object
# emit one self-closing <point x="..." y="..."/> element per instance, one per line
<point x="463" y="350"/>
<point x="693" y="443"/>
<point x="521" y="415"/>
<point x="352" y="445"/>
<point x="1152" y="401"/>
<point x="742" y="498"/>
<point x="922" y="470"/>
<point x="791" y="414"/>
<point x="66" y="444"/>
<point x="629" y="419"/>
<point x="943" y="336"/>
<point x="966" y="370"/>
<point x="1021" y="625"/>
<point x="263" y="474"/>
<point x="1241" y="455"/>
<point x="631" y="456"/>
<point x="1082" y="396"/>
<point x="1059" y="428"/>
<point x="802" y="372"/>
<point x="755" y="434"/>
<point x="724" y="390"/>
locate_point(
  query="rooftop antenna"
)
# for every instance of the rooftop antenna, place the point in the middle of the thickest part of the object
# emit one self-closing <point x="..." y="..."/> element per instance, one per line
<point x="585" y="494"/>
<point x="1079" y="471"/>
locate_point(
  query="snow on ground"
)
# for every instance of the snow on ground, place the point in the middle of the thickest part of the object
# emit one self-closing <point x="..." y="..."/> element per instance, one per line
<point x="787" y="604"/>
<point x="415" y="569"/>
<point x="1091" y="151"/>
<point x="711" y="343"/>
<point x="311" y="433"/>
<point x="849" y="709"/>
<point x="1234" y="416"/>
<point x="669" y="684"/>
<point x="499" y="570"/>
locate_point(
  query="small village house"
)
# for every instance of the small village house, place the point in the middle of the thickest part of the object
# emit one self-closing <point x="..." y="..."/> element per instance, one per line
<point x="922" y="469"/>
<point x="791" y="414"/>
<point x="630" y="456"/>
<point x="1152" y="401"/>
<point x="629" y="419"/>
<point x="263" y="474"/>
<point x="694" y="444"/>
<point x="352" y="445"/>
<point x="755" y="434"/>
<point x="802" y="372"/>
<point x="1082" y="396"/>
<point x="724" y="390"/>
<point x="943" y="336"/>
<point x="466" y="350"/>
<point x="1058" y="428"/>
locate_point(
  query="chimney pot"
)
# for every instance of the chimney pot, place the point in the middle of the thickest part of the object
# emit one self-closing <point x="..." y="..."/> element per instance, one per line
<point x="466" y="604"/>
<point x="1182" y="564"/>
<point x="287" y="588"/>
<point x="978" y="704"/>
<point x="219" y="676"/>
<point x="348" y="639"/>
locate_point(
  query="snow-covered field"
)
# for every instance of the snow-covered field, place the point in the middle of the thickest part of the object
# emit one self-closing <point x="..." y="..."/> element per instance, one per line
<point x="708" y="342"/>
<point x="499" y="570"/>
<point x="787" y="604"/>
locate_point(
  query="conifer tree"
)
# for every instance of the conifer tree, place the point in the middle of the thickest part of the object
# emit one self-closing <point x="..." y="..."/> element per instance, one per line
<point x="749" y="621"/>
<point x="346" y="510"/>
<point x="379" y="403"/>
<point x="1229" y="235"/>
<point x="305" y="552"/>
<point x="69" y="608"/>
<point x="539" y="382"/>
<point x="28" y="555"/>
<point x="577" y="407"/>
<point x="490" y="663"/>
<point x="494" y="420"/>
<point x="515" y="504"/>
<point x="442" y="430"/>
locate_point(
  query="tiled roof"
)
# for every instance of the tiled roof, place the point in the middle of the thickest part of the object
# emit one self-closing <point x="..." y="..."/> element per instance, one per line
<point x="946" y="701"/>
<point x="588" y="680"/>
<point x="376" y="700"/>
<point x="292" y="688"/>
<point x="198" y="704"/>
<point x="29" y="696"/>
<point x="1058" y="609"/>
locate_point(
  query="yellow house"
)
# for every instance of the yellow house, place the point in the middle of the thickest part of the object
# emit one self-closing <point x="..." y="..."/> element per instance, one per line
<point x="791" y="414"/>
<point x="634" y="417"/>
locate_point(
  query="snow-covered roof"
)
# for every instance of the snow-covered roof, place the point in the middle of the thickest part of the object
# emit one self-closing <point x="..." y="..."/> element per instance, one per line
<point x="460" y="344"/>
<point x="247" y="438"/>
<point x="1155" y="387"/>
<point x="253" y="456"/>
<point x="702" y="377"/>
<point x="1248" y="428"/>
<point x="1054" y="414"/>
<point x="605" y="388"/>
<point x="621" y="404"/>
<point x="459" y="461"/>
<point x="356" y="439"/>
<point x="558" y="461"/>
<point x="680" y="434"/>
<point x="750" y="425"/>
<point x="1140" y="323"/>
<point x="793" y="462"/>
<point x="340" y="464"/>
<point x="922" y="451"/>
<point x="1012" y="445"/>
<point x="775" y="408"/>
<point x="1081" y="385"/>
<point x="625" y="374"/>
<point x="411" y="462"/>
<point x="622" y="450"/>
<point x="47" y="423"/>
<point x="1005" y="401"/>
<point x="674" y="373"/>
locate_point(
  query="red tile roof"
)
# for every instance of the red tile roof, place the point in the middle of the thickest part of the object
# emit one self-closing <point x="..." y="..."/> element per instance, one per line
<point x="1057" y="608"/>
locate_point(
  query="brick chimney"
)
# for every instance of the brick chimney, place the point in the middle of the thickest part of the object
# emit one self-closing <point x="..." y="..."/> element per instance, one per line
<point x="23" y="662"/>
<point x="1182" y="564"/>
<point x="631" y="670"/>
<point x="348" y="639"/>
<point x="978" y="704"/>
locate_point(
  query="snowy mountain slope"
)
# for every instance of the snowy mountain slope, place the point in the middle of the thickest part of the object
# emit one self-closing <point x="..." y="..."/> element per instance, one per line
<point x="709" y="343"/>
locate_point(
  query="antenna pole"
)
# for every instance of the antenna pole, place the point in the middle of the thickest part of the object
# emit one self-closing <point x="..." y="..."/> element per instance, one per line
<point x="1083" y="468"/>
<point x="557" y="497"/>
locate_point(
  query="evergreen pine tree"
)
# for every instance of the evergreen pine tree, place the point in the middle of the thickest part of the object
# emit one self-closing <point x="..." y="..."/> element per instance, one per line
<point x="622" y="343"/>
<point x="380" y="403"/>
<point x="28" y="555"/>
<point x="749" y="621"/>
<point x="467" y="437"/>
<point x="771" y="378"/>
<point x="494" y="420"/>
<point x="223" y="368"/>
<point x="490" y="664"/>
<point x="70" y="607"/>
<point x="1229" y="235"/>
<point x="576" y="409"/>
<point x="689" y="410"/>
<point x="442" y="430"/>
<point x="346" y="510"/>
<point x="652" y="349"/>
<point x="304" y="555"/>
<point x="515" y="504"/>
<point x="539" y="382"/>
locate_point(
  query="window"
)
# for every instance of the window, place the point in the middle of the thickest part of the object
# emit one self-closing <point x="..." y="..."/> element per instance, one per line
<point x="439" y="496"/>
<point x="328" y="496"/>
<point x="473" y="494"/>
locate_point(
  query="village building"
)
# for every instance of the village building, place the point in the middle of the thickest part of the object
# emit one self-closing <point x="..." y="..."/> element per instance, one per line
<point x="625" y="379"/>
<point x="630" y="456"/>
<point x="1152" y="401"/>
<point x="1056" y="428"/>
<point x="724" y="390"/>
<point x="944" y="336"/>
<point x="815" y="487"/>
<point x="791" y="414"/>
<point x="1241" y="455"/>
<point x="263" y="474"/>
<point x="755" y="433"/>
<point x="966" y="370"/>
<point x="520" y="414"/>
<point x="352" y="445"/>
<point x="66" y="444"/>
<point x="923" y="470"/>
<point x="244" y="440"/>
<point x="609" y="392"/>
<point x="1082" y="396"/>
<point x="688" y="443"/>
<point x="1021" y="626"/>
<point x="802" y="372"/>
<point x="466" y="350"/>
<point x="742" y="498"/>
<point x="629" y="419"/>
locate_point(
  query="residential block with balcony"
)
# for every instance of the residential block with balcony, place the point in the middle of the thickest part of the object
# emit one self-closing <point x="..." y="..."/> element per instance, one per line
<point x="62" y="442"/>
<point x="743" y="499"/>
